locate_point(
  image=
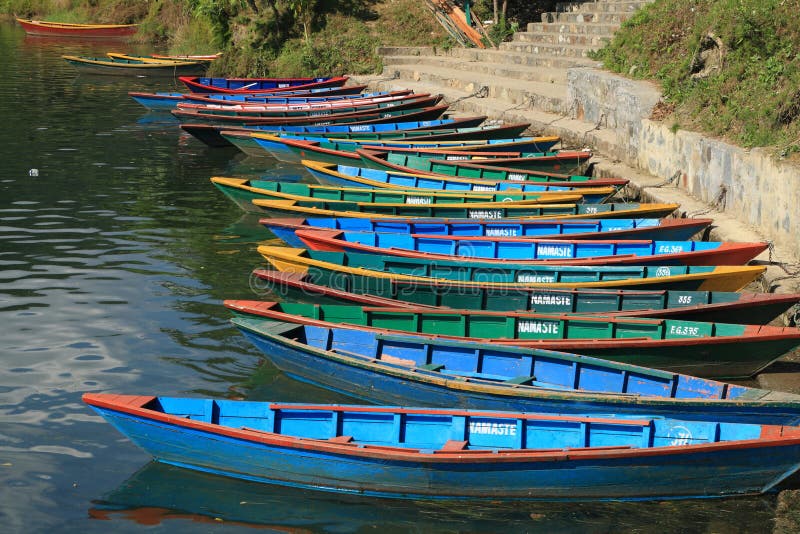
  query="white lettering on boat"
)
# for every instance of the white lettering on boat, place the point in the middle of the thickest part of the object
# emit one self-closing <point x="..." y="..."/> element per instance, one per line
<point x="485" y="214"/>
<point x="669" y="249"/>
<point x="684" y="330"/>
<point x="525" y="277"/>
<point x="554" y="250"/>
<point x="501" y="232"/>
<point x="419" y="200"/>
<point x="456" y="158"/>
<point x="537" y="327"/>
<point x="494" y="429"/>
<point x="551" y="300"/>
<point x="516" y="176"/>
<point x="482" y="188"/>
<point x="663" y="271"/>
<point x="679" y="435"/>
<point x="684" y="299"/>
<point x="363" y="128"/>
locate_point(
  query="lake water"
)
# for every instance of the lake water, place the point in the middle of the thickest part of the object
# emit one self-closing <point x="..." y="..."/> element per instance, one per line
<point x="115" y="255"/>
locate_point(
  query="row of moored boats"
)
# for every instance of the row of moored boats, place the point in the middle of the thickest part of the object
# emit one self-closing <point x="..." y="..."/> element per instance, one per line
<point x="515" y="331"/>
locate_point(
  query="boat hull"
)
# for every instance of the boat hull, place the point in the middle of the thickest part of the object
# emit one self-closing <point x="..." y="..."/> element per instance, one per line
<point x="704" y="472"/>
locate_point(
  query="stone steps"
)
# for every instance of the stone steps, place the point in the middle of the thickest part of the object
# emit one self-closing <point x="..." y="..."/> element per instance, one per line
<point x="550" y="97"/>
<point x="609" y="6"/>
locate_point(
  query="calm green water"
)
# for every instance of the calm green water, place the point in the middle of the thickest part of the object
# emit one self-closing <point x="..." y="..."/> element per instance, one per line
<point x="113" y="264"/>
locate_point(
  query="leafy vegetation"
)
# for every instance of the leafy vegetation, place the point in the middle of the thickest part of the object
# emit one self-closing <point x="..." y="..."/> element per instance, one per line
<point x="260" y="37"/>
<point x="729" y="68"/>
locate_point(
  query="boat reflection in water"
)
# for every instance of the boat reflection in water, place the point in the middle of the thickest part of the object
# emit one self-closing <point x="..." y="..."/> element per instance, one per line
<point x="160" y="494"/>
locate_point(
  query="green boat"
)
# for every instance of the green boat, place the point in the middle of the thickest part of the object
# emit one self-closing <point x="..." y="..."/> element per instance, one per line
<point x="351" y="271"/>
<point x="716" y="350"/>
<point x="242" y="192"/>
<point x="707" y="306"/>
<point x="493" y="153"/>
<point x="393" y="161"/>
<point x="244" y="140"/>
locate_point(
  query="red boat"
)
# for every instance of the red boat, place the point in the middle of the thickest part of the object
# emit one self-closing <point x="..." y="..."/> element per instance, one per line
<point x="66" y="29"/>
<point x="202" y="84"/>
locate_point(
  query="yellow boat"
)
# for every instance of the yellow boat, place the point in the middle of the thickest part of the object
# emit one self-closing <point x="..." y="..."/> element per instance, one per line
<point x="347" y="270"/>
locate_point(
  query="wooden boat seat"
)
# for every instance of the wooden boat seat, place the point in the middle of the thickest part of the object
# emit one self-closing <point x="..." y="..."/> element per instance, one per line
<point x="454" y="445"/>
<point x="522" y="380"/>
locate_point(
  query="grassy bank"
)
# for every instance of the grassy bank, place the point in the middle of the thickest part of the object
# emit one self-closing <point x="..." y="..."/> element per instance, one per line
<point x="728" y="68"/>
<point x="260" y="38"/>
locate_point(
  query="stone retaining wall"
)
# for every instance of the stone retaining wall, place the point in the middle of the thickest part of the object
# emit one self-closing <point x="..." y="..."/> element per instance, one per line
<point x="760" y="190"/>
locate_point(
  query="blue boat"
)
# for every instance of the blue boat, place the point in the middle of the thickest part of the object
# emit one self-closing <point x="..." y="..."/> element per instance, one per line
<point x="534" y="251"/>
<point x="392" y="368"/>
<point x="353" y="176"/>
<point x="210" y="133"/>
<point x="455" y="453"/>
<point x="599" y="229"/>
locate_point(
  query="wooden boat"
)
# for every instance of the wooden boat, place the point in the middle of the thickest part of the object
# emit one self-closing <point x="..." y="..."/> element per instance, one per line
<point x="319" y="108"/>
<point x="352" y="269"/>
<point x="151" y="59"/>
<point x="703" y="349"/>
<point x="529" y="157"/>
<point x="273" y="117"/>
<point x="709" y="306"/>
<point x="198" y="84"/>
<point x="656" y="229"/>
<point x="166" y="100"/>
<point x="243" y="192"/>
<point x="328" y="94"/>
<point x="189" y="57"/>
<point x="349" y="175"/>
<point x="210" y="134"/>
<point x="294" y="208"/>
<point x="455" y="453"/>
<point x="395" y="114"/>
<point x="130" y="67"/>
<point x="525" y="251"/>
<point x="393" y="161"/>
<point x="381" y="367"/>
<point x="85" y="31"/>
<point x="344" y="151"/>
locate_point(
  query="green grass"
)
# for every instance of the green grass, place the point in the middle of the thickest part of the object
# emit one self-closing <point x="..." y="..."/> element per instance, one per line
<point x="754" y="98"/>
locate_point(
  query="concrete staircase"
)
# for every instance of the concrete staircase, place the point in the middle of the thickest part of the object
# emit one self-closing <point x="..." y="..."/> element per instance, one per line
<point x="530" y="71"/>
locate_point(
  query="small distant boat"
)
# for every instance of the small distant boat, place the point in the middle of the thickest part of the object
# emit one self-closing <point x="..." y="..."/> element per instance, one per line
<point x="709" y="306"/>
<point x="67" y="29"/>
<point x="455" y="453"/>
<point x="151" y="59"/>
<point x="395" y="114"/>
<point x="258" y="85"/>
<point x="189" y="57"/>
<point x="167" y="100"/>
<point x="131" y="67"/>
